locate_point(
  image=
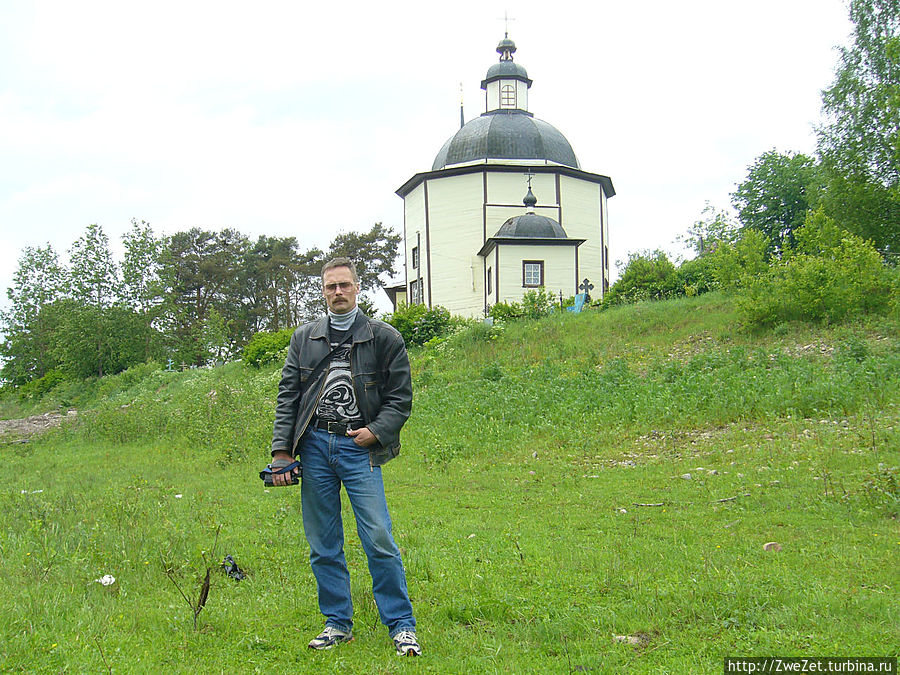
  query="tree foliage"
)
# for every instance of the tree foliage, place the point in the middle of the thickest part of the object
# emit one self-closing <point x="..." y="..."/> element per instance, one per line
<point x="647" y="275"/>
<point x="859" y="142"/>
<point x="93" y="273"/>
<point x="39" y="280"/>
<point x="194" y="297"/>
<point x="775" y="196"/>
<point x="374" y="253"/>
<point x="831" y="275"/>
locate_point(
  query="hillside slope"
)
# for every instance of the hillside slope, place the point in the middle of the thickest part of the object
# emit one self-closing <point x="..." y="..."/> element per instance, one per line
<point x="580" y="493"/>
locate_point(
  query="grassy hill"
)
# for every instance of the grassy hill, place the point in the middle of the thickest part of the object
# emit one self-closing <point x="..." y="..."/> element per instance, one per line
<point x="583" y="493"/>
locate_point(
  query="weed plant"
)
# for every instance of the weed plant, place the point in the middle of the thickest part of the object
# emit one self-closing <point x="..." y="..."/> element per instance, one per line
<point x="583" y="493"/>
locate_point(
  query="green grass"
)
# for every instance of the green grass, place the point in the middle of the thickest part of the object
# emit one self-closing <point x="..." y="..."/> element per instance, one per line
<point x="514" y="501"/>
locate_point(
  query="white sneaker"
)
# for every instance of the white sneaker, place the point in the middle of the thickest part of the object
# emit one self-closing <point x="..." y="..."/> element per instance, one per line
<point x="406" y="643"/>
<point x="330" y="637"/>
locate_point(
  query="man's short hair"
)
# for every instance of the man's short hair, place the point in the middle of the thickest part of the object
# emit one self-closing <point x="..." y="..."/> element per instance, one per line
<point x="340" y="261"/>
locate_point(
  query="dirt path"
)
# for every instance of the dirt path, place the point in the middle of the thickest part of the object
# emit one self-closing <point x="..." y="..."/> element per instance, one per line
<point x="27" y="427"/>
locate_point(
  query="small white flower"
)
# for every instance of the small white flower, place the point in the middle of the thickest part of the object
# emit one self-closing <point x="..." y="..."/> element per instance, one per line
<point x="178" y="496"/>
<point x="106" y="580"/>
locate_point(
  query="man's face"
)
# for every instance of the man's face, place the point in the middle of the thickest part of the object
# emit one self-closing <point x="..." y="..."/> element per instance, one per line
<point x="339" y="289"/>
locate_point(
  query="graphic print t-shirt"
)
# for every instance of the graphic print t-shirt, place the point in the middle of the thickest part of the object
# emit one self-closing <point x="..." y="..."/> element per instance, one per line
<point x="338" y="400"/>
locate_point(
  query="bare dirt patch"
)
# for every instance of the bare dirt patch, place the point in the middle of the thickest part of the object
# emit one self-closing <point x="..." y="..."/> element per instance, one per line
<point x="26" y="427"/>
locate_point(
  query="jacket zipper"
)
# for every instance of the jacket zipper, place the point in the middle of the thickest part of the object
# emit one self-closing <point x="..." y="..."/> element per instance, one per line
<point x="359" y="401"/>
<point x="306" y="423"/>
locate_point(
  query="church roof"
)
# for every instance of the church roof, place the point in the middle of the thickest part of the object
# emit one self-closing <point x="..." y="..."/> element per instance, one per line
<point x="503" y="134"/>
<point x="531" y="226"/>
<point x="505" y="69"/>
<point x="530" y="229"/>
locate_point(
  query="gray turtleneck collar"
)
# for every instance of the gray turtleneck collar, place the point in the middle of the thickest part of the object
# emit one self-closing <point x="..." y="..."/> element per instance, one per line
<point x="343" y="321"/>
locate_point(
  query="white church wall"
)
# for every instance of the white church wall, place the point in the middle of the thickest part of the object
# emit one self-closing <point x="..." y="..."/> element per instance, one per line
<point x="414" y="224"/>
<point x="559" y="269"/>
<point x="492" y="96"/>
<point x="581" y="220"/>
<point x="510" y="188"/>
<point x="522" y="94"/>
<point x="455" y="225"/>
<point x="605" y="226"/>
<point x="492" y="99"/>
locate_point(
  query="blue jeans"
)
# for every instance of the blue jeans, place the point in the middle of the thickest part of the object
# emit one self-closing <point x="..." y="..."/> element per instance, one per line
<point x="329" y="461"/>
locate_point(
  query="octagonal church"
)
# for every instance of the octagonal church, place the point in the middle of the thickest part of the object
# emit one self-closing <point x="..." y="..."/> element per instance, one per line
<point x="505" y="208"/>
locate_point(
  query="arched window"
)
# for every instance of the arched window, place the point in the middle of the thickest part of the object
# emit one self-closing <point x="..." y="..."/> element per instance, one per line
<point x="507" y="96"/>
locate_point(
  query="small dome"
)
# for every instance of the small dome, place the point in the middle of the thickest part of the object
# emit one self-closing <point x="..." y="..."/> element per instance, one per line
<point x="507" y="70"/>
<point x="506" y="135"/>
<point x="506" y="47"/>
<point x="531" y="226"/>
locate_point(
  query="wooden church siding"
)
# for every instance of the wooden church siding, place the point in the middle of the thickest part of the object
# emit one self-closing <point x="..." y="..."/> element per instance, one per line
<point x="559" y="262"/>
<point x="508" y="188"/>
<point x="414" y="224"/>
<point x="455" y="221"/>
<point x="581" y="201"/>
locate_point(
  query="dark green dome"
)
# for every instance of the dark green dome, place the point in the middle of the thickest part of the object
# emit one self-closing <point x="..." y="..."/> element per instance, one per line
<point x="531" y="226"/>
<point x="505" y="134"/>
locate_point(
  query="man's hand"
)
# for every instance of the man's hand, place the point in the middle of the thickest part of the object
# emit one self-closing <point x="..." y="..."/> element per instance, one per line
<point x="362" y="437"/>
<point x="282" y="479"/>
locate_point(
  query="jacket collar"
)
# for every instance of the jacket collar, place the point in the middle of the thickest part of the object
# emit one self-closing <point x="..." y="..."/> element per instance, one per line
<point x="362" y="331"/>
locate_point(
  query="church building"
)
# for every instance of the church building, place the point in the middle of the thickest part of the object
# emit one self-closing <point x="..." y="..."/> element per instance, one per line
<point x="505" y="208"/>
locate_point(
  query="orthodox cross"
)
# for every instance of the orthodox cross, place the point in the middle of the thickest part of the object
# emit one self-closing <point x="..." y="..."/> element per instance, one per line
<point x="506" y="20"/>
<point x="587" y="287"/>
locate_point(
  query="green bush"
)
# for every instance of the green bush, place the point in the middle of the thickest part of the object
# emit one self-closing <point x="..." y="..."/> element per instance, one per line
<point x="506" y="311"/>
<point x="647" y="276"/>
<point x="418" y="324"/>
<point x="736" y="263"/>
<point x="39" y="387"/>
<point x="695" y="277"/>
<point x="537" y="303"/>
<point x="829" y="277"/>
<point x="266" y="347"/>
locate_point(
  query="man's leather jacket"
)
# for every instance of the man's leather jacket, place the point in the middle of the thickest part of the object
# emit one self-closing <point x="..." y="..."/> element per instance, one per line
<point x="379" y="367"/>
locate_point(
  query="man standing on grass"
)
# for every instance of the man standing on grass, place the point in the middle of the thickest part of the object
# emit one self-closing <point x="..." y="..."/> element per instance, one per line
<point x="345" y="392"/>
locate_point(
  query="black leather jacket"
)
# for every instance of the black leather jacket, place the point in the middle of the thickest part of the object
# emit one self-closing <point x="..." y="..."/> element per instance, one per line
<point x="379" y="366"/>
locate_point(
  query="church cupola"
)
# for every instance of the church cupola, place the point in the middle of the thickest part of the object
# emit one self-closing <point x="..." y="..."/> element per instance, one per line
<point x="506" y="84"/>
<point x="530" y="200"/>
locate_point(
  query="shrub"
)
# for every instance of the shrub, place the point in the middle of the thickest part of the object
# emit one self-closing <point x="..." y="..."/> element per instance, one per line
<point x="265" y="347"/>
<point x="434" y="323"/>
<point x="695" y="277"/>
<point x="829" y="277"/>
<point x="647" y="276"/>
<point x="736" y="263"/>
<point x="39" y="387"/>
<point x="506" y="311"/>
<point x="537" y="303"/>
<point x="418" y="324"/>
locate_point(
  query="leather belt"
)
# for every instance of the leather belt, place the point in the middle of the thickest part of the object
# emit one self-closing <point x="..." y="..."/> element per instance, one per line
<point x="339" y="428"/>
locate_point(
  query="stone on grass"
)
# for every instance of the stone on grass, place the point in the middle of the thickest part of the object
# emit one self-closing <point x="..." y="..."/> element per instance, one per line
<point x="638" y="639"/>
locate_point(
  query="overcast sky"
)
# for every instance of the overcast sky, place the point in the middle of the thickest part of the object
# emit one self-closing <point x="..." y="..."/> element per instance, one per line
<point x="283" y="118"/>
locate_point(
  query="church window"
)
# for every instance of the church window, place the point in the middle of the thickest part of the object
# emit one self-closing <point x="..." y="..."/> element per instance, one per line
<point x="507" y="96"/>
<point x="415" y="292"/>
<point x="415" y="257"/>
<point x="490" y="282"/>
<point x="532" y="273"/>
